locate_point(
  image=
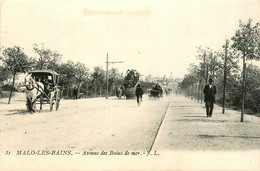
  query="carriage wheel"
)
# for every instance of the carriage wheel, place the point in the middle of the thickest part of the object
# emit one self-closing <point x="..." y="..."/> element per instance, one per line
<point x="57" y="101"/>
<point x="41" y="100"/>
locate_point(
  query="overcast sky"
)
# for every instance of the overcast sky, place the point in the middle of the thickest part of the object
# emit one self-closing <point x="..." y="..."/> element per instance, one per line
<point x="153" y="37"/>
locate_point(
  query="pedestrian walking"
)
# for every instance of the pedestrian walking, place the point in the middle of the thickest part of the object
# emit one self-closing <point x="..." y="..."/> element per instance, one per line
<point x="139" y="93"/>
<point x="209" y="99"/>
<point x="75" y="93"/>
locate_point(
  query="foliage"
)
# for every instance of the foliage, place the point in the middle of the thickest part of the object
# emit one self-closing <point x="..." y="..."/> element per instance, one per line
<point x="48" y="59"/>
<point x="247" y="40"/>
<point x="15" y="61"/>
<point x="67" y="77"/>
<point x="4" y="74"/>
<point x="252" y="100"/>
<point x="4" y="94"/>
<point x="246" y="44"/>
<point x="116" y="80"/>
<point x="98" y="82"/>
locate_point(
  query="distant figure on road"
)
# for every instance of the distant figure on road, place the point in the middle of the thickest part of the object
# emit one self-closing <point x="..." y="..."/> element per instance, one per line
<point x="75" y="93"/>
<point x="119" y="92"/>
<point x="209" y="99"/>
<point x="139" y="93"/>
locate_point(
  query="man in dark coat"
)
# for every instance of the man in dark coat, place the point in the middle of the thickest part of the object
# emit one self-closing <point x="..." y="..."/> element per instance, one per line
<point x="75" y="93"/>
<point x="209" y="99"/>
<point x="139" y="93"/>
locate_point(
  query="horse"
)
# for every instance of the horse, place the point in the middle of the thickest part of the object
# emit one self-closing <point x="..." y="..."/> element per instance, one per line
<point x="33" y="90"/>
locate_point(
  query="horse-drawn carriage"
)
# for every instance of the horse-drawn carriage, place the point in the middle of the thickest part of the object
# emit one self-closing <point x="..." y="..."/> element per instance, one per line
<point x="130" y="83"/>
<point x="156" y="91"/>
<point x="42" y="88"/>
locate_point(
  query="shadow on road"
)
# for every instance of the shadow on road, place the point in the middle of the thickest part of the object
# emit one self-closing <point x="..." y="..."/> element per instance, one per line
<point x="23" y="112"/>
<point x="223" y="136"/>
<point x="204" y="120"/>
<point x="194" y="116"/>
<point x="17" y="112"/>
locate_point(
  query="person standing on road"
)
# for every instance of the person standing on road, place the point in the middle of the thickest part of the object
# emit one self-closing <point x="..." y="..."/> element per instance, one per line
<point x="139" y="93"/>
<point x="75" y="93"/>
<point x="209" y="99"/>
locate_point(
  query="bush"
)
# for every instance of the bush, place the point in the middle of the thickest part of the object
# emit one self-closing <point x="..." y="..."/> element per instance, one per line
<point x="7" y="87"/>
<point x="5" y="94"/>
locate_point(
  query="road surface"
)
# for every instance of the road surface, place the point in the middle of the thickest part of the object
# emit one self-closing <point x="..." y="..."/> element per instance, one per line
<point x="172" y="123"/>
<point x="174" y="128"/>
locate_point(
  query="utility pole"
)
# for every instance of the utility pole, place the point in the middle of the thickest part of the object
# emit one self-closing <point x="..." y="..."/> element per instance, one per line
<point x="225" y="77"/>
<point x="107" y="78"/>
<point x="214" y="63"/>
<point x="205" y="76"/>
<point x="107" y="72"/>
<point x="201" y="91"/>
<point x="244" y="86"/>
<point x="211" y="64"/>
<point x="205" y="68"/>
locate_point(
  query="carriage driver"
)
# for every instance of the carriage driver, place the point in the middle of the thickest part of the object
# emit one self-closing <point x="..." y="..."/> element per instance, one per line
<point x="46" y="84"/>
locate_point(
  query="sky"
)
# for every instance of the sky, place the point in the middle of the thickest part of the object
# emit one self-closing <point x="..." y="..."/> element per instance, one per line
<point x="154" y="37"/>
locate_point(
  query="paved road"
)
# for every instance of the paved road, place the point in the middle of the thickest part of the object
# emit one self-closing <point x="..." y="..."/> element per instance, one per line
<point x="175" y="127"/>
<point x="86" y="124"/>
<point x="172" y="123"/>
<point x="186" y="127"/>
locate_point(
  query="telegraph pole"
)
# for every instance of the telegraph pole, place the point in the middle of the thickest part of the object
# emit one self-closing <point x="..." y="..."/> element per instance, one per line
<point x="225" y="78"/>
<point x="244" y="87"/>
<point x="107" y="77"/>
<point x="107" y="72"/>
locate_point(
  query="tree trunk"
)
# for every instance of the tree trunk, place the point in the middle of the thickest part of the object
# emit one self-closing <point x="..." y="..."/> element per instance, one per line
<point x="11" y="92"/>
<point x="201" y="91"/>
<point x="79" y="90"/>
<point x="100" y="91"/>
<point x="211" y="64"/>
<point x="207" y="74"/>
<point x="68" y="89"/>
<point x="244" y="87"/>
<point x="95" y="87"/>
<point x="198" y="92"/>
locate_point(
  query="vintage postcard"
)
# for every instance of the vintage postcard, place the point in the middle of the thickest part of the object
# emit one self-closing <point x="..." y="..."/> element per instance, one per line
<point x="129" y="85"/>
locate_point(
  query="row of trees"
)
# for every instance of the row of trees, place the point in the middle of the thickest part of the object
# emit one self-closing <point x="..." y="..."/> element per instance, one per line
<point x="15" y="61"/>
<point x="236" y="87"/>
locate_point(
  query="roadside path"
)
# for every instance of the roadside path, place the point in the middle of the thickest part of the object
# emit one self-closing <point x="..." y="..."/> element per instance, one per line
<point x="186" y="127"/>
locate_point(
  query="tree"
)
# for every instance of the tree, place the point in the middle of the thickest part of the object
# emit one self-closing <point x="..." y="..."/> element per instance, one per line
<point x="4" y="74"/>
<point x="191" y="79"/>
<point x="98" y="80"/>
<point x="81" y="74"/>
<point x="252" y="100"/>
<point x="247" y="42"/>
<point x="209" y="66"/>
<point x="67" y="73"/>
<point x="115" y="79"/>
<point x="226" y="72"/>
<point x="16" y="61"/>
<point x="205" y="55"/>
<point x="47" y="58"/>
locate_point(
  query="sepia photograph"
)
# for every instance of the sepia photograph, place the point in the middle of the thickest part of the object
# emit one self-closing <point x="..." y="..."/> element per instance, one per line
<point x="129" y="85"/>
